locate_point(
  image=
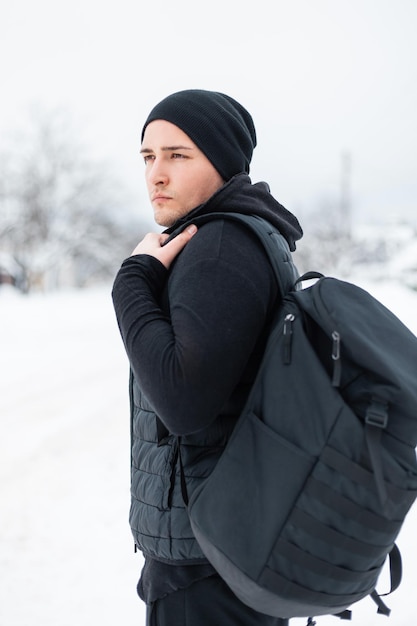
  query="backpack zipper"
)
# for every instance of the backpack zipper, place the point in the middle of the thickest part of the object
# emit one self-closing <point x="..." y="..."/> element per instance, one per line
<point x="335" y="335"/>
<point x="337" y="364"/>
<point x="336" y="344"/>
<point x="287" y="331"/>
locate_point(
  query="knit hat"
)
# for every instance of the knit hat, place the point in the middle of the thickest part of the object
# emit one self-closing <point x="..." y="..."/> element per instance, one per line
<point x="216" y="123"/>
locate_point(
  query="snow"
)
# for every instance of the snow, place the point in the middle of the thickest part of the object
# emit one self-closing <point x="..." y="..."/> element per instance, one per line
<point x="66" y="553"/>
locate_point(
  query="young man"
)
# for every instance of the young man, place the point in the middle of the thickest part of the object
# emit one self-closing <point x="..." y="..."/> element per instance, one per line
<point x="193" y="314"/>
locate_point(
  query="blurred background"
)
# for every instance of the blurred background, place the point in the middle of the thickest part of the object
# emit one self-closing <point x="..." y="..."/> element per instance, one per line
<point x="332" y="88"/>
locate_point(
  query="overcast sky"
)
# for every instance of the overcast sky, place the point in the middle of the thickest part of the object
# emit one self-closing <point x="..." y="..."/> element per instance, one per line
<point x="322" y="78"/>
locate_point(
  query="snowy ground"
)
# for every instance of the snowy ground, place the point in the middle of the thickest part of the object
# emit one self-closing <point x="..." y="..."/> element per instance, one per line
<point x="66" y="554"/>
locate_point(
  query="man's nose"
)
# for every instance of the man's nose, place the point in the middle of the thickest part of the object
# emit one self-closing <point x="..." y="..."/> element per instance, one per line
<point x="158" y="173"/>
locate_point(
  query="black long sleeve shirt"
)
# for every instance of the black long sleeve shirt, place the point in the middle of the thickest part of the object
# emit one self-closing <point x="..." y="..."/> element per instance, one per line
<point x="190" y="333"/>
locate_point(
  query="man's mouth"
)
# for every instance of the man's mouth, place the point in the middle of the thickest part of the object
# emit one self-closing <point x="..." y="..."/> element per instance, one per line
<point x="160" y="197"/>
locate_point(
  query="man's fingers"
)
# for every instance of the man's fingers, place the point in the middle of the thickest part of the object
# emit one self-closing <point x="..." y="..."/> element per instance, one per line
<point x="174" y="247"/>
<point x="153" y="244"/>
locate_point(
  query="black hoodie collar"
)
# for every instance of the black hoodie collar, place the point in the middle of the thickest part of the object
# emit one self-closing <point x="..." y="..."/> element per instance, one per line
<point x="239" y="195"/>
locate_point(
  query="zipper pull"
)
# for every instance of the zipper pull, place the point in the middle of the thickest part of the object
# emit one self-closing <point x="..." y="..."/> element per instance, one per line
<point x="288" y="321"/>
<point x="337" y="363"/>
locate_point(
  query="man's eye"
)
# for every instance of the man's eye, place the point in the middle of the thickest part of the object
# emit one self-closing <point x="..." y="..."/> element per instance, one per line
<point x="148" y="157"/>
<point x="176" y="155"/>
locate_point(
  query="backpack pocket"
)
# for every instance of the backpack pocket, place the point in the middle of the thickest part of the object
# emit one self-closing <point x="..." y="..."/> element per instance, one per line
<point x="337" y="537"/>
<point x="241" y="506"/>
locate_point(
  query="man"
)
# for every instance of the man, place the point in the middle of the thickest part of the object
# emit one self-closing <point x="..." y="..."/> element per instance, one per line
<point x="193" y="314"/>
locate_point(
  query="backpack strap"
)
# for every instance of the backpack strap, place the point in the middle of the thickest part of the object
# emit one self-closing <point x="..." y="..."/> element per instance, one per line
<point x="376" y="420"/>
<point x="274" y="243"/>
<point x="395" y="566"/>
<point x="395" y="576"/>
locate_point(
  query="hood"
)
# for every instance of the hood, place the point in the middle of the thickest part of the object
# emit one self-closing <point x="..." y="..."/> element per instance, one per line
<point x="239" y="195"/>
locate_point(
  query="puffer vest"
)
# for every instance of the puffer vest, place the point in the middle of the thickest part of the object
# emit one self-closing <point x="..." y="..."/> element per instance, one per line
<point x="158" y="516"/>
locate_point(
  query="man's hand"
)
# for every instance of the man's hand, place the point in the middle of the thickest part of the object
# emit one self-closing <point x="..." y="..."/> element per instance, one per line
<point x="153" y="244"/>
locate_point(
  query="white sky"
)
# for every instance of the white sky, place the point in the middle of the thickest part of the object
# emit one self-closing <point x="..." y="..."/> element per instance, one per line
<point x="320" y="77"/>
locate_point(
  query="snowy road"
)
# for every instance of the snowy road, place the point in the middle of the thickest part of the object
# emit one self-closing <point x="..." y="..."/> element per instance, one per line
<point x="66" y="554"/>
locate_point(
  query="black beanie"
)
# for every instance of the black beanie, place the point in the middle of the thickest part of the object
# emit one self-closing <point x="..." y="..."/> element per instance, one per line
<point x="216" y="123"/>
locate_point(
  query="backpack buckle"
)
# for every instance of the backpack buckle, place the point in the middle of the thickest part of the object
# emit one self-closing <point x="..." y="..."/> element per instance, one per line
<point x="377" y="414"/>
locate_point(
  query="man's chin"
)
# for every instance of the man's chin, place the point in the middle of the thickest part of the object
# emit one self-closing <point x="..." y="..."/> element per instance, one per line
<point x="164" y="220"/>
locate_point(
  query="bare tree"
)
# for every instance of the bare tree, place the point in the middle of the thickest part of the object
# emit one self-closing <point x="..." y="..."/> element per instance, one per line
<point x="62" y="215"/>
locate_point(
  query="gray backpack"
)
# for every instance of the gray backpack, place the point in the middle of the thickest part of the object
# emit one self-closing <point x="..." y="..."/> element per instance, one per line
<point x="306" y="502"/>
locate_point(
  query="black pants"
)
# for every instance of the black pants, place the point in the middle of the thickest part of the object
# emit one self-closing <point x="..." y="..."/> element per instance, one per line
<point x="208" y="602"/>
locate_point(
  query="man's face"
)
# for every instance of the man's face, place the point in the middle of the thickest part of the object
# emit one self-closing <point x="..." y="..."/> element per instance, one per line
<point x="179" y="177"/>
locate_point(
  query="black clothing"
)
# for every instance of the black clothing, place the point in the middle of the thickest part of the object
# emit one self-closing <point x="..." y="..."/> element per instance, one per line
<point x="158" y="517"/>
<point x="207" y="602"/>
<point x="194" y="336"/>
<point x="221" y="284"/>
<point x="239" y="195"/>
<point x="160" y="579"/>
